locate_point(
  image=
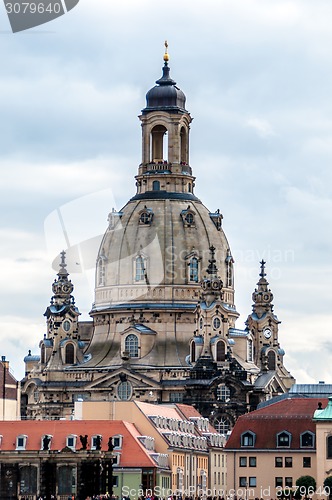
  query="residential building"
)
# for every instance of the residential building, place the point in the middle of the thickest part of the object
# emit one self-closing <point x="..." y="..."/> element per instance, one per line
<point x="10" y="393"/>
<point x="271" y="447"/>
<point x="194" y="449"/>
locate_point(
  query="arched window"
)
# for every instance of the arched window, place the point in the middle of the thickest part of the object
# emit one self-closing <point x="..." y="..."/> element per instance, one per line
<point x="193" y="269"/>
<point x="159" y="149"/>
<point x="271" y="360"/>
<point x="139" y="268"/>
<point x="189" y="187"/>
<point x="220" y="351"/>
<point x="28" y="480"/>
<point x="329" y="447"/>
<point x="131" y="345"/>
<point x="222" y="425"/>
<point x="193" y="352"/>
<point x="156" y="186"/>
<point x="66" y="479"/>
<point x="69" y="354"/>
<point x="183" y="145"/>
<point x="124" y="390"/>
<point x="223" y="393"/>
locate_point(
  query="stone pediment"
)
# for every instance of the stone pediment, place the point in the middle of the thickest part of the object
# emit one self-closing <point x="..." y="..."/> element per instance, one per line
<point x="109" y="380"/>
<point x="139" y="328"/>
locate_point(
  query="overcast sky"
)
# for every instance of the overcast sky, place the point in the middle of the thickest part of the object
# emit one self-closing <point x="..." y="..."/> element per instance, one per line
<point x="258" y="79"/>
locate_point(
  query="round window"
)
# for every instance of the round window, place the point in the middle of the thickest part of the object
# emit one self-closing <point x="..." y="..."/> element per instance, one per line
<point x="145" y="218"/>
<point x="216" y="323"/>
<point x="189" y="218"/>
<point x="66" y="325"/>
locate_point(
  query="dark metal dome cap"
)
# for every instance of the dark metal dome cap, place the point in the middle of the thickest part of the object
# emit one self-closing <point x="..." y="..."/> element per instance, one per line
<point x="165" y="95"/>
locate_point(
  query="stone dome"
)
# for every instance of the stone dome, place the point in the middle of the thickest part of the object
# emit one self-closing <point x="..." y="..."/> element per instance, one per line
<point x="156" y="252"/>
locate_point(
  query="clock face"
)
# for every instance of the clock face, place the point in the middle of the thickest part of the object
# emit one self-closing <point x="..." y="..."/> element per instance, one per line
<point x="267" y="333"/>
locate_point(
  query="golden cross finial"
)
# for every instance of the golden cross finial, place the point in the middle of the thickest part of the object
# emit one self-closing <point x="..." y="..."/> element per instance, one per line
<point x="166" y="56"/>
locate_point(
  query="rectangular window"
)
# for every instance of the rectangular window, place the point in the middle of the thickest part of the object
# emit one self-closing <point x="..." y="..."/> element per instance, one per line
<point x="70" y="442"/>
<point x="278" y="461"/>
<point x="306" y="461"/>
<point x="288" y="481"/>
<point x="288" y="462"/>
<point x="116" y="481"/>
<point x="252" y="482"/>
<point x="243" y="481"/>
<point x="278" y="481"/>
<point x="252" y="461"/>
<point x="243" y="462"/>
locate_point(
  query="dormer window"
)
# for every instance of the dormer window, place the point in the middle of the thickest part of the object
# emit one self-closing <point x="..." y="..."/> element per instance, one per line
<point x="46" y="442"/>
<point x="71" y="441"/>
<point x="216" y="218"/>
<point x="188" y="217"/>
<point x="21" y="442"/>
<point x="248" y="439"/>
<point x="284" y="439"/>
<point x="307" y="439"/>
<point x="117" y="441"/>
<point x="96" y="442"/>
<point x="145" y="216"/>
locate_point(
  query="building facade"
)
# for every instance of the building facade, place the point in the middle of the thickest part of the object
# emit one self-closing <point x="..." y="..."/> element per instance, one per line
<point x="163" y="317"/>
<point x="10" y="397"/>
<point x="193" y="449"/>
<point x="270" y="448"/>
<point x="80" y="458"/>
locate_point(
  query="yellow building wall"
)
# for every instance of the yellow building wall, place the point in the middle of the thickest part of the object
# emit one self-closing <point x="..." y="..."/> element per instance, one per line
<point x="266" y="472"/>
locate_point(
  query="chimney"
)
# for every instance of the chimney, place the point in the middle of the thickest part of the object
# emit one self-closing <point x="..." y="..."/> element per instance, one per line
<point x="4" y="362"/>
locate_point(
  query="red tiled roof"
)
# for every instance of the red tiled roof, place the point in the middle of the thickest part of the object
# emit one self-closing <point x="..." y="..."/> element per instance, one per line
<point x="293" y="415"/>
<point x="133" y="452"/>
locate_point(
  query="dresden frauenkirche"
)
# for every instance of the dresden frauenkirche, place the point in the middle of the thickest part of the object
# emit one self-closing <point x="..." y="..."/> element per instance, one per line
<point x="163" y="319"/>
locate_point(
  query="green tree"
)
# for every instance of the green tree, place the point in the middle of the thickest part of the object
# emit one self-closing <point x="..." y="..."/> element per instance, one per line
<point x="306" y="486"/>
<point x="328" y="486"/>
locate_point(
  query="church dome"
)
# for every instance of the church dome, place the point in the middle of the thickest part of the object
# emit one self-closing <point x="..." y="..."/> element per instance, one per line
<point x="156" y="251"/>
<point x="165" y="95"/>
